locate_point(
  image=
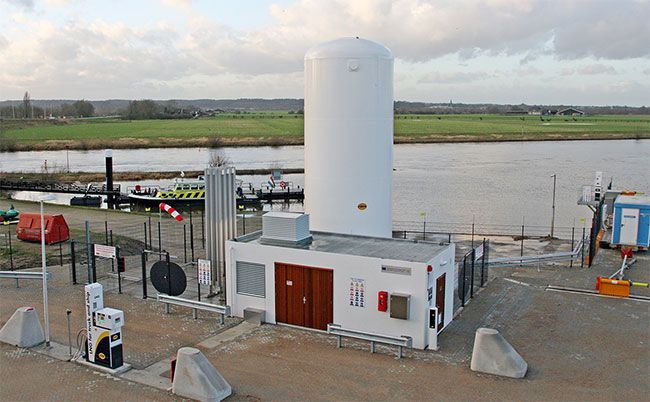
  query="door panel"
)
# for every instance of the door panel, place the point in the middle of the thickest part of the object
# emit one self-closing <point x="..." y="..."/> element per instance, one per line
<point x="321" y="291"/>
<point x="294" y="285"/>
<point x="440" y="300"/>
<point x="629" y="226"/>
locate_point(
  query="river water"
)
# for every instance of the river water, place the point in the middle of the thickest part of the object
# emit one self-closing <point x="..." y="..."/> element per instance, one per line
<point x="492" y="183"/>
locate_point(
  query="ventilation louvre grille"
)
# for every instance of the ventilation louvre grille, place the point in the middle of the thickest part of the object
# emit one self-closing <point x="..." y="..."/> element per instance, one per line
<point x="250" y="279"/>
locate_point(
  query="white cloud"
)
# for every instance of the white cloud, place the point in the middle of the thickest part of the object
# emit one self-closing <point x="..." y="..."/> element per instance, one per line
<point x="593" y="69"/>
<point x="180" y="4"/>
<point x="452" y="77"/>
<point x="568" y="71"/>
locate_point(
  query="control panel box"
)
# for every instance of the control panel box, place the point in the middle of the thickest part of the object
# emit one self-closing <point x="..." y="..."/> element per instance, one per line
<point x="400" y="304"/>
<point x="109" y="318"/>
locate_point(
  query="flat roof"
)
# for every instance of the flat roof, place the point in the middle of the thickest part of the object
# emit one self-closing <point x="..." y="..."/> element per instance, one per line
<point x="637" y="199"/>
<point x="364" y="246"/>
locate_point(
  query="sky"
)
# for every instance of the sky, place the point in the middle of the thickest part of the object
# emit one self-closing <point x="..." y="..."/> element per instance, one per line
<point x="572" y="52"/>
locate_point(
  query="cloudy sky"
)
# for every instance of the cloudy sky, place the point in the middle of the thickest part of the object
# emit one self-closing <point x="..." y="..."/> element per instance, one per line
<point x="580" y="52"/>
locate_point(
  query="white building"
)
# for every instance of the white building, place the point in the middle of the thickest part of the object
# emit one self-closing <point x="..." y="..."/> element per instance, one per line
<point x="313" y="279"/>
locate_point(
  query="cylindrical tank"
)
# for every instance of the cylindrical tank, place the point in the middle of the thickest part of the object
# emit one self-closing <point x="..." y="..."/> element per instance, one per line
<point x="349" y="137"/>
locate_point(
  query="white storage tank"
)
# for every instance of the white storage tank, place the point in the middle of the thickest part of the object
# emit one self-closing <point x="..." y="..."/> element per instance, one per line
<point x="349" y="137"/>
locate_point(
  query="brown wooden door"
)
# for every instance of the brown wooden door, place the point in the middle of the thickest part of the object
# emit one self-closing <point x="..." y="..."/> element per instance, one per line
<point x="303" y="295"/>
<point x="319" y="308"/>
<point x="440" y="300"/>
<point x="289" y="294"/>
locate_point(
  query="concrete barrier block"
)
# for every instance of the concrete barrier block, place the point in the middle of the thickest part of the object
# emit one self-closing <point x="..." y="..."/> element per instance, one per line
<point x="196" y="378"/>
<point x="254" y="315"/>
<point x="492" y="354"/>
<point x="23" y="329"/>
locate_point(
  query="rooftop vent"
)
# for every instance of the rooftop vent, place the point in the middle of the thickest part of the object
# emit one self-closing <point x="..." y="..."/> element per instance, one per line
<point x="283" y="228"/>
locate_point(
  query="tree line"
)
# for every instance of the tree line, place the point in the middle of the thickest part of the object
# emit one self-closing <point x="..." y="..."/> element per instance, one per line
<point x="28" y="110"/>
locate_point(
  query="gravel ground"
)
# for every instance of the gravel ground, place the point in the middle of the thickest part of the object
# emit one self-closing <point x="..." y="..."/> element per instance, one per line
<point x="578" y="347"/>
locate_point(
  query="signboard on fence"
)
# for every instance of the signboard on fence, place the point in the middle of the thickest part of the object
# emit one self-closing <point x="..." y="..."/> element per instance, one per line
<point x="104" y="251"/>
<point x="205" y="272"/>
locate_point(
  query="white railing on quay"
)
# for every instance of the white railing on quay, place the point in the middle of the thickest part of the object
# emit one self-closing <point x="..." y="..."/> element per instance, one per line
<point x="399" y="341"/>
<point x="223" y="311"/>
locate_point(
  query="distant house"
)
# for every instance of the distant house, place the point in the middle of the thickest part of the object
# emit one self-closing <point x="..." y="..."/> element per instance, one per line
<point x="570" y="112"/>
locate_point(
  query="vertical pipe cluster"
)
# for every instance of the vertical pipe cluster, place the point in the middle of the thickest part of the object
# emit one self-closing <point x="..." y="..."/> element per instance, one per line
<point x="220" y="222"/>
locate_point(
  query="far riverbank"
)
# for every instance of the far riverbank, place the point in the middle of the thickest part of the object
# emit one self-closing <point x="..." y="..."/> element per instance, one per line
<point x="228" y="131"/>
<point x="132" y="143"/>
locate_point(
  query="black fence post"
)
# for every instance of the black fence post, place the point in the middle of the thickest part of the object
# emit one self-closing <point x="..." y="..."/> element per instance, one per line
<point x="169" y="274"/>
<point x="144" y="275"/>
<point x="60" y="248"/>
<point x="202" y="229"/>
<point x="192" y="240"/>
<point x="185" y="242"/>
<point x="461" y="285"/>
<point x="73" y="263"/>
<point x="94" y="278"/>
<point x="119" y="275"/>
<point x="483" y="264"/>
<point x="106" y="231"/>
<point x="11" y="250"/>
<point x="522" y="240"/>
<point x="150" y="237"/>
<point x="471" y="282"/>
<point x="145" y="234"/>
<point x="159" y="242"/>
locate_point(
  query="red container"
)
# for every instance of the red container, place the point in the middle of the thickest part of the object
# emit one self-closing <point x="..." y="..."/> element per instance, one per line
<point x="29" y="228"/>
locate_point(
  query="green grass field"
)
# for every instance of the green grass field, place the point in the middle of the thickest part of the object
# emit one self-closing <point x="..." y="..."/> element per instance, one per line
<point x="278" y="128"/>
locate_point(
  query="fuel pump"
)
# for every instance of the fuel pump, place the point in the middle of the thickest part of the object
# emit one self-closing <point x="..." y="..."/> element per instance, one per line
<point x="104" y="328"/>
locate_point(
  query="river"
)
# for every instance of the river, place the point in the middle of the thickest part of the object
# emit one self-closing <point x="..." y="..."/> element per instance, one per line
<point x="492" y="183"/>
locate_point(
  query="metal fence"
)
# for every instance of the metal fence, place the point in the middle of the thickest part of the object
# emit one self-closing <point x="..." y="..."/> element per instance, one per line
<point x="424" y="230"/>
<point x="473" y="271"/>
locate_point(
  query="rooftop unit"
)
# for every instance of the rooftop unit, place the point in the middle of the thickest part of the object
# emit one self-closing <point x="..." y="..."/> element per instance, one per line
<point x="284" y="228"/>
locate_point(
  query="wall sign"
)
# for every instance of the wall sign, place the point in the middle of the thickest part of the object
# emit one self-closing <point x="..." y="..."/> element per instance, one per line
<point x="357" y="292"/>
<point x="395" y="270"/>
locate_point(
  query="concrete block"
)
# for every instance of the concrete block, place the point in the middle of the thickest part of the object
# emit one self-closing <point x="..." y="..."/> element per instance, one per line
<point x="492" y="354"/>
<point x="196" y="378"/>
<point x="23" y="329"/>
<point x="254" y="315"/>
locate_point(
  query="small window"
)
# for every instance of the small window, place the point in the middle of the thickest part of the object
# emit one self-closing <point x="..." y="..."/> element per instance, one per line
<point x="250" y="279"/>
<point x="201" y="186"/>
<point x="186" y="186"/>
<point x="194" y="186"/>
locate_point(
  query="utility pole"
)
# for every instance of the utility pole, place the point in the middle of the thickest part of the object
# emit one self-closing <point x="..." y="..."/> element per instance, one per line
<point x="554" y="176"/>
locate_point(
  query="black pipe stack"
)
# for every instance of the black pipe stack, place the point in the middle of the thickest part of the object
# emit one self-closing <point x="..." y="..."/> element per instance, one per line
<point x="110" y="201"/>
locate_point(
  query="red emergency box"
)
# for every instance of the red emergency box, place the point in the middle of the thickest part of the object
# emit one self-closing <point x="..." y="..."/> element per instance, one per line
<point x="29" y="228"/>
